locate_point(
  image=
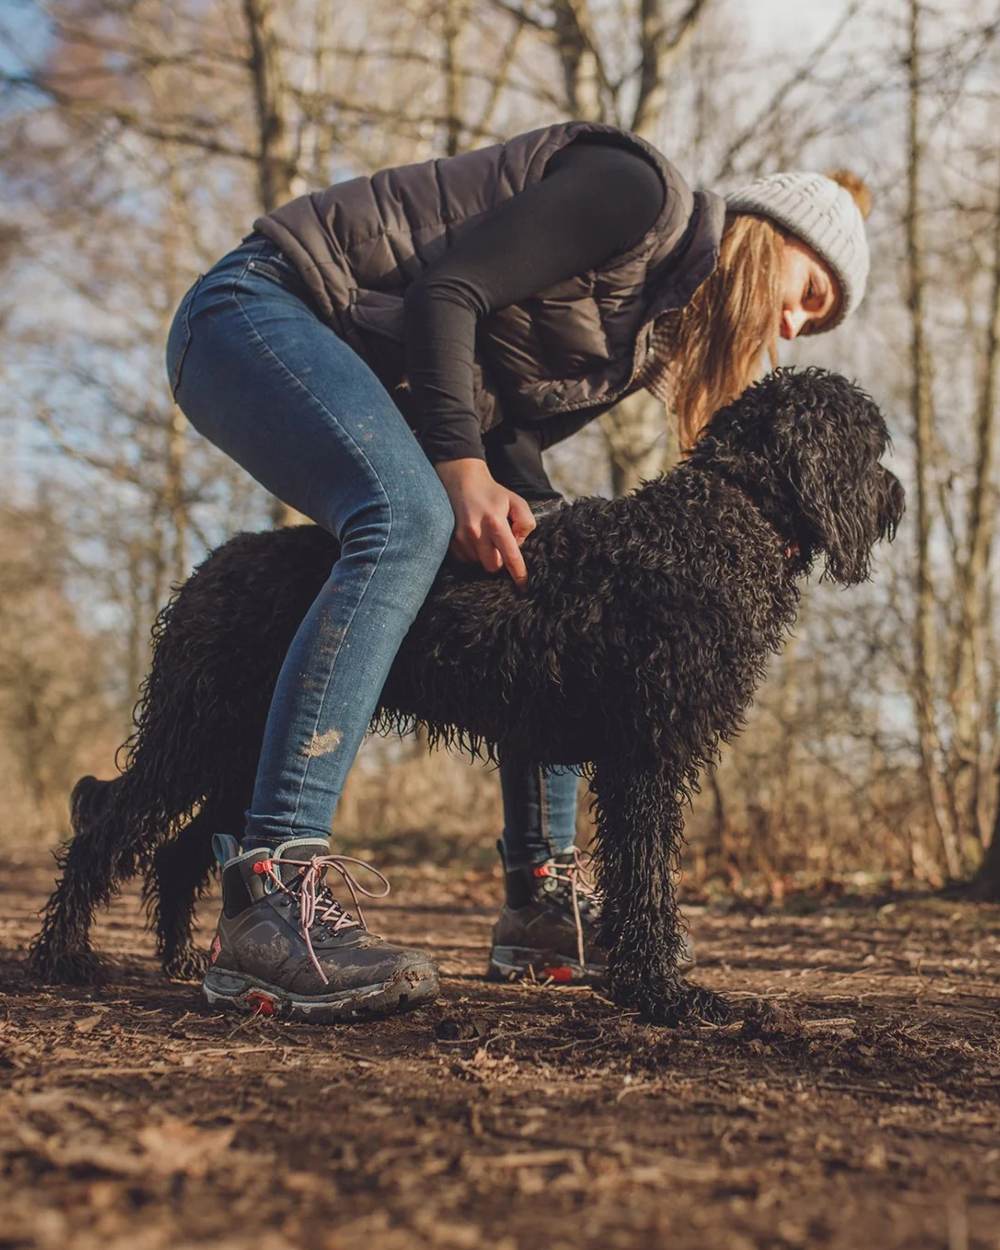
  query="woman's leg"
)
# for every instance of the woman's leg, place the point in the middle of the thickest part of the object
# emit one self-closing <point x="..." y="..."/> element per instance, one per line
<point x="541" y="930"/>
<point x="262" y="377"/>
<point x="539" y="807"/>
<point x="547" y="926"/>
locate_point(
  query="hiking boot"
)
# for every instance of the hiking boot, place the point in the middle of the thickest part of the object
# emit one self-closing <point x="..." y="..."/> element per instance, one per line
<point x="285" y="946"/>
<point x="547" y="929"/>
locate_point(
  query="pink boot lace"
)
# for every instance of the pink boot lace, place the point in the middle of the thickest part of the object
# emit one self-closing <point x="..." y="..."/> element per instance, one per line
<point x="581" y="887"/>
<point x="312" y="898"/>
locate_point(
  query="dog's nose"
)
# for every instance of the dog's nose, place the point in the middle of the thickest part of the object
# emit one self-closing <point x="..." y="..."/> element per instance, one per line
<point x="897" y="495"/>
<point x="895" y="503"/>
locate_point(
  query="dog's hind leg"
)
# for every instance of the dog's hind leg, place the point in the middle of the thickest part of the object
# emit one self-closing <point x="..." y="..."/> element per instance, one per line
<point x="640" y="832"/>
<point x="180" y="873"/>
<point x="96" y="860"/>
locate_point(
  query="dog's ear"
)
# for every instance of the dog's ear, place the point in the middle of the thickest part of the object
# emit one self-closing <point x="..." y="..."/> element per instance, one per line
<point x="826" y="437"/>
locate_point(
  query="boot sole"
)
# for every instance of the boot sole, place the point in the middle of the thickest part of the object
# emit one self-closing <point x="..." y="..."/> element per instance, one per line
<point x="515" y="963"/>
<point x="408" y="988"/>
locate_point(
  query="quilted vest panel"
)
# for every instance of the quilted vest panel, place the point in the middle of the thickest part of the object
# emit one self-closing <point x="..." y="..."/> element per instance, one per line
<point x="578" y="343"/>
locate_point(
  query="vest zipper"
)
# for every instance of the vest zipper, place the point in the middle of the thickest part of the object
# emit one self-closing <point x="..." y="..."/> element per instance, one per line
<point x="643" y="337"/>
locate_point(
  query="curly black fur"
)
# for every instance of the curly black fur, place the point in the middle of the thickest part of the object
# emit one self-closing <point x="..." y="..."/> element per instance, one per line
<point x="635" y="649"/>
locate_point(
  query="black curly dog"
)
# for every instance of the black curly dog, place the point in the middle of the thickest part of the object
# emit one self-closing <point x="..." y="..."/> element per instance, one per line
<point x="636" y="647"/>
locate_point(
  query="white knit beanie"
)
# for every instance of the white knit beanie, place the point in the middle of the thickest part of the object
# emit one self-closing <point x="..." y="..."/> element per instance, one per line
<point x="823" y="213"/>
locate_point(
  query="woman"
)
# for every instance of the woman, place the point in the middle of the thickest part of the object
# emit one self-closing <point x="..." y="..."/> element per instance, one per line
<point x="391" y="356"/>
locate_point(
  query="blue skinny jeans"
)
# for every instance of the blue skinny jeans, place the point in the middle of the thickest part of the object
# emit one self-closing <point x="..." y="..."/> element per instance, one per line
<point x="259" y="374"/>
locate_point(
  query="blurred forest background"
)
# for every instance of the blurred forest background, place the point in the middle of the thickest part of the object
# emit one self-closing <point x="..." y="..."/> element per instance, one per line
<point x="140" y="138"/>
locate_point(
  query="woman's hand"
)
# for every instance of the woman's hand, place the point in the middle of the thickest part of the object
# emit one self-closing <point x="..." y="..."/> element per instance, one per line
<point x="491" y="522"/>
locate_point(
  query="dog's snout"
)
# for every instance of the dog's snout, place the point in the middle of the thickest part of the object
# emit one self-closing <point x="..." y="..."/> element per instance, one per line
<point x="894" y="504"/>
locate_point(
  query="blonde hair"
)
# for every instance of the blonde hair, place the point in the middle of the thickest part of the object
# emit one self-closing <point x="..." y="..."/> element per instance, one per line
<point x="710" y="350"/>
<point x="718" y="341"/>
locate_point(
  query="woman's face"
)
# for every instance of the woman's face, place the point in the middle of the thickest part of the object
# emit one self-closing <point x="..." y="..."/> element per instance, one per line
<point x="809" y="291"/>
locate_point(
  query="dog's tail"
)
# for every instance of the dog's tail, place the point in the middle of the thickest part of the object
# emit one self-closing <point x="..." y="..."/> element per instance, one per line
<point x="61" y="951"/>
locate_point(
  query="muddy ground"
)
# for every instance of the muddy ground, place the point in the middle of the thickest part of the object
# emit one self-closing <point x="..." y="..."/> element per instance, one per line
<point x="511" y="1117"/>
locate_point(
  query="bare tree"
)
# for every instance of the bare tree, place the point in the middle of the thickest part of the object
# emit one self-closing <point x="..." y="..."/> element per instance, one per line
<point x="146" y="138"/>
<point x="925" y="652"/>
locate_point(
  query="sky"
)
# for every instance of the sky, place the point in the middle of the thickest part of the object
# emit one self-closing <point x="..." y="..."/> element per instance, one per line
<point x="23" y="21"/>
<point x="809" y="18"/>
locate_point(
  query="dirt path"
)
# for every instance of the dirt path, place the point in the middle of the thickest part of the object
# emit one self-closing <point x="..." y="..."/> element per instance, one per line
<point x="514" y="1118"/>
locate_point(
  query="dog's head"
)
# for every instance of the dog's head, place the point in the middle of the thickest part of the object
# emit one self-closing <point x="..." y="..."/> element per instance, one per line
<point x="805" y="445"/>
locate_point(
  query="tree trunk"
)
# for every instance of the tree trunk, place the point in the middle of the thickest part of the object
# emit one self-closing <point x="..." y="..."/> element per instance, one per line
<point x="580" y="59"/>
<point x="275" y="162"/>
<point x="987" y="882"/>
<point x="641" y="441"/>
<point x="966" y="694"/>
<point x="981" y="525"/>
<point x="453" y="20"/>
<point x="924" y="648"/>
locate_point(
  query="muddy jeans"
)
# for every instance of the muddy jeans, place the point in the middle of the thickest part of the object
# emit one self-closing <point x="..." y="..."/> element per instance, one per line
<point x="260" y="375"/>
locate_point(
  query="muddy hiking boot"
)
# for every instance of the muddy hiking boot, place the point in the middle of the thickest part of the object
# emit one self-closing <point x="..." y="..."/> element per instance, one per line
<point x="547" y="929"/>
<point x="286" y="947"/>
<point x="547" y="926"/>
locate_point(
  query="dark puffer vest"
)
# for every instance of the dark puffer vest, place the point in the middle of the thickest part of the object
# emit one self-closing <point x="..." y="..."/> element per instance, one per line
<point x="576" y="344"/>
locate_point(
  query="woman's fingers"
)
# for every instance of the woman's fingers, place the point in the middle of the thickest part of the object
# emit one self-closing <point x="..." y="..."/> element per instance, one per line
<point x="490" y="521"/>
<point x="522" y="519"/>
<point x="487" y="552"/>
<point x="497" y="535"/>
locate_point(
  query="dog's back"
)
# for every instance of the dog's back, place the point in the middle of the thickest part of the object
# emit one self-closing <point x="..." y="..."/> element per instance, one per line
<point x="635" y="608"/>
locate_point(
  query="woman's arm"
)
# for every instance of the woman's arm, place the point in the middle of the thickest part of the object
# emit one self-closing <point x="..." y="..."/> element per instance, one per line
<point x="594" y="200"/>
<point x="514" y="459"/>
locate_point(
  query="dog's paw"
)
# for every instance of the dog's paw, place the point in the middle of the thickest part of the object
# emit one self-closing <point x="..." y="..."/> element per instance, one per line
<point x="186" y="965"/>
<point x="701" y="1006"/>
<point x="675" y="1002"/>
<point x="67" y="967"/>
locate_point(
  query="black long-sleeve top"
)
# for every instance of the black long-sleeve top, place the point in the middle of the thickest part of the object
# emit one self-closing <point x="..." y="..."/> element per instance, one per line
<point x="593" y="202"/>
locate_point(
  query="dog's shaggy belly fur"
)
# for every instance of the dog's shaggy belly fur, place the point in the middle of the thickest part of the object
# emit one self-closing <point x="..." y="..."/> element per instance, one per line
<point x="635" y="647"/>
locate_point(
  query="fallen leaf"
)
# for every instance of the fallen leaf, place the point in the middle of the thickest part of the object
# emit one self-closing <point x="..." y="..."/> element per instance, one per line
<point x="176" y="1146"/>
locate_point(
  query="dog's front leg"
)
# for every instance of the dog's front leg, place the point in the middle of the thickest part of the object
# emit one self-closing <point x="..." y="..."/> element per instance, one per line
<point x="639" y="836"/>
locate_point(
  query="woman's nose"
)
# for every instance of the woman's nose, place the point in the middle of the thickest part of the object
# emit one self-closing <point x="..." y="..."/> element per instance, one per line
<point x="791" y="322"/>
